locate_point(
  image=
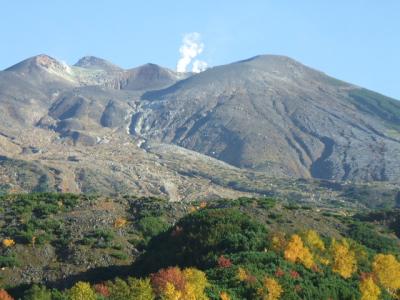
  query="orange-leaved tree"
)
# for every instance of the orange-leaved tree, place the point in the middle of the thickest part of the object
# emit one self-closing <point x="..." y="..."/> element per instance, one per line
<point x="4" y="295"/>
<point x="174" y="284"/>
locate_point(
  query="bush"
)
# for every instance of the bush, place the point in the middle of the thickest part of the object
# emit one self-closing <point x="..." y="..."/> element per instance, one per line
<point x="200" y="238"/>
<point x="119" y="255"/>
<point x="37" y="292"/>
<point x="8" y="261"/>
<point x="151" y="226"/>
<point x="366" y="235"/>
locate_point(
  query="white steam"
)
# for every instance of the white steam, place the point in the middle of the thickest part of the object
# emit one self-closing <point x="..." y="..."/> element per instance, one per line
<point x="199" y="66"/>
<point x="191" y="47"/>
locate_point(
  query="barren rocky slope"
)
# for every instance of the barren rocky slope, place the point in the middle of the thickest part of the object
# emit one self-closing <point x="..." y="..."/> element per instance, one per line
<point x="240" y="129"/>
<point x="272" y="114"/>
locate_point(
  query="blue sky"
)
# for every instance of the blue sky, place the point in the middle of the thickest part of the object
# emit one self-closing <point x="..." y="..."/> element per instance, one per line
<point x="357" y="41"/>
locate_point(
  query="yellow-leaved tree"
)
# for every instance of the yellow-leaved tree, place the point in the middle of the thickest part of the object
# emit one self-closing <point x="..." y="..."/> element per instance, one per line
<point x="271" y="289"/>
<point x="344" y="260"/>
<point x="387" y="269"/>
<point x="171" y="293"/>
<point x="313" y="240"/>
<point x="369" y="289"/>
<point x="317" y="247"/>
<point x="296" y="252"/>
<point x="241" y="274"/>
<point x="196" y="282"/>
<point x="82" y="291"/>
<point x="140" y="289"/>
<point x="278" y="241"/>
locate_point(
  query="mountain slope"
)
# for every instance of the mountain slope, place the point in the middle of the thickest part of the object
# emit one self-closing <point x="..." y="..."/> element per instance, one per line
<point x="97" y="127"/>
<point x="272" y="113"/>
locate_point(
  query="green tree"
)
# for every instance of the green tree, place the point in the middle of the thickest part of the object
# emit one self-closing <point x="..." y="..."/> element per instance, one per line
<point x="37" y="292"/>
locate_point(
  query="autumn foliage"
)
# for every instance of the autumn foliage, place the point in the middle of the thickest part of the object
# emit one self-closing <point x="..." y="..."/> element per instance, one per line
<point x="224" y="262"/>
<point x="224" y="296"/>
<point x="174" y="284"/>
<point x="82" y="291"/>
<point x="4" y="295"/>
<point x="343" y="258"/>
<point x="369" y="289"/>
<point x="102" y="289"/>
<point x="271" y="289"/>
<point x="387" y="269"/>
<point x="8" y="243"/>
<point x="297" y="252"/>
<point x="120" y="222"/>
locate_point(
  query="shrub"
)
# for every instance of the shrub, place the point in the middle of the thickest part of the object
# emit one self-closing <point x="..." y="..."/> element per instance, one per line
<point x="8" y="260"/>
<point x="119" y="255"/>
<point x="151" y="226"/>
<point x="204" y="236"/>
<point x="37" y="292"/>
<point x="8" y="243"/>
<point x="367" y="236"/>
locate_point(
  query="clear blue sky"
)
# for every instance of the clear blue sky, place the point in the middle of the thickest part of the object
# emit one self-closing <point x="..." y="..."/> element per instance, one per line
<point x="357" y="41"/>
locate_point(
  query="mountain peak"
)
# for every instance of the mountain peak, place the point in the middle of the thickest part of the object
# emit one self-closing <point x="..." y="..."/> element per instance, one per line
<point x="93" y="62"/>
<point x="42" y="64"/>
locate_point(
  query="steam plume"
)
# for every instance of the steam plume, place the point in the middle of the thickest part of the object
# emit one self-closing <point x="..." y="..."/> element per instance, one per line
<point x="199" y="66"/>
<point x="191" y="47"/>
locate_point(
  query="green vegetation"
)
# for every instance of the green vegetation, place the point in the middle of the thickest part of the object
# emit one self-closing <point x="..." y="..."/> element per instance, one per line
<point x="246" y="248"/>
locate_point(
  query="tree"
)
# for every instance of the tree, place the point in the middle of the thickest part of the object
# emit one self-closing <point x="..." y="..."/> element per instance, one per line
<point x="172" y="276"/>
<point x="296" y="252"/>
<point x="173" y="283"/>
<point x="37" y="292"/>
<point x="196" y="282"/>
<point x="102" y="289"/>
<point x="224" y="262"/>
<point x="141" y="289"/>
<point x="278" y="242"/>
<point x="369" y="290"/>
<point x="343" y="259"/>
<point x="7" y="243"/>
<point x="171" y="293"/>
<point x="313" y="240"/>
<point x="4" y="295"/>
<point x="82" y="291"/>
<point x="387" y="269"/>
<point x="271" y="289"/>
<point x="119" y="290"/>
<point x="241" y="274"/>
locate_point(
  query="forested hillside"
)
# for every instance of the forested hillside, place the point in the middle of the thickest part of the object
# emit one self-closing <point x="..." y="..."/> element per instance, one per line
<point x="63" y="246"/>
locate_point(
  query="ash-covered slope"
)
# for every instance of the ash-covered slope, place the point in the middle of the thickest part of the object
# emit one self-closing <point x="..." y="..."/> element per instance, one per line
<point x="273" y="114"/>
<point x="97" y="127"/>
